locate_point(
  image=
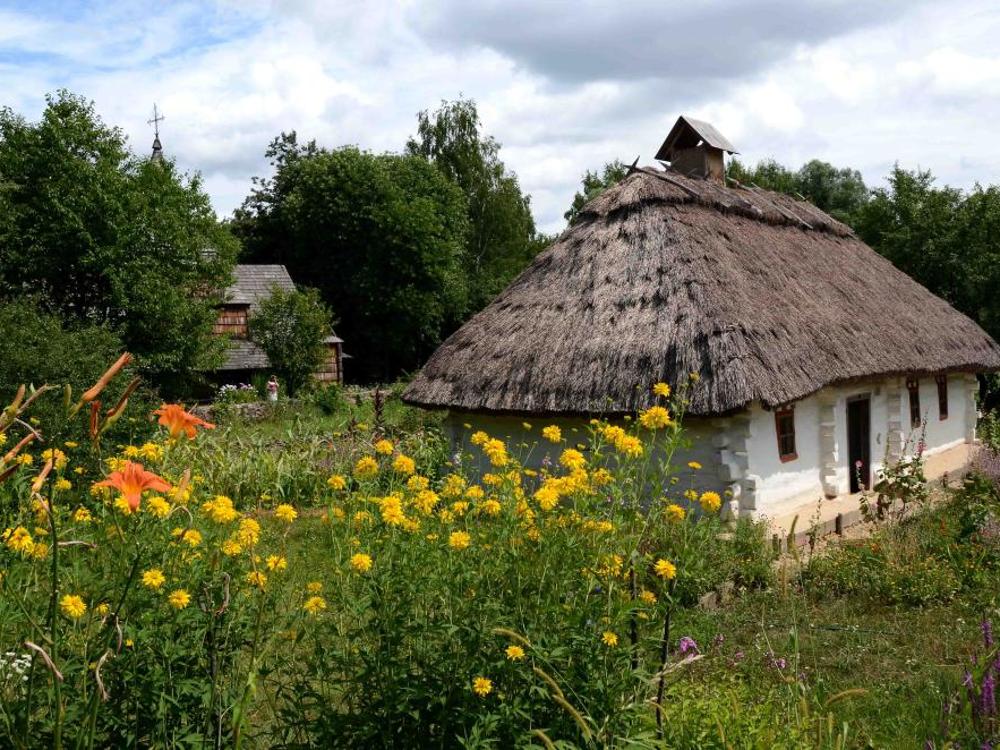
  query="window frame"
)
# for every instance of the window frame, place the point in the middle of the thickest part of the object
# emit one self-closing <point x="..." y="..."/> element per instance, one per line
<point x="913" y="387"/>
<point x="942" y="393"/>
<point x="779" y="415"/>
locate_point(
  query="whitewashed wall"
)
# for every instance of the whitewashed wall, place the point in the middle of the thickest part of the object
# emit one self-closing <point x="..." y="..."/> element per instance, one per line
<point x="740" y="453"/>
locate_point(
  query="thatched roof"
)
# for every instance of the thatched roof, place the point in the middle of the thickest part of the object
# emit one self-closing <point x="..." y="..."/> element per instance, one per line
<point x="765" y="297"/>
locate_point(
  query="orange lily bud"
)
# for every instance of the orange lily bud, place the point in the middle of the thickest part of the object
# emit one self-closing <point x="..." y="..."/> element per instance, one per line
<point x="103" y="381"/>
<point x="9" y="455"/>
<point x="36" y="486"/>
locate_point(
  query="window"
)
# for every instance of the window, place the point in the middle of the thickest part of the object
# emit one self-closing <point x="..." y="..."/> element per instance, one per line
<point x="942" y="388"/>
<point x="784" y="423"/>
<point x="913" y="386"/>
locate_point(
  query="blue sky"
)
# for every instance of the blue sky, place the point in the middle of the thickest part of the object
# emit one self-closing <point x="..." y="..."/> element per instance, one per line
<point x="565" y="86"/>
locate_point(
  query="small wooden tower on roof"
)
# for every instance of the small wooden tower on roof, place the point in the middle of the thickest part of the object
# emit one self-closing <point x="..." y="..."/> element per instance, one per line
<point x="696" y="149"/>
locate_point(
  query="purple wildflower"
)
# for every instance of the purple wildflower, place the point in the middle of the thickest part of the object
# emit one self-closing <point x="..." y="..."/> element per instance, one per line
<point x="987" y="697"/>
<point x="686" y="644"/>
<point x="987" y="627"/>
<point x="718" y="640"/>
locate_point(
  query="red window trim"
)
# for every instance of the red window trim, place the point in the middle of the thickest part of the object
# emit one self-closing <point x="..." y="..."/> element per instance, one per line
<point x="942" y="394"/>
<point x="788" y="411"/>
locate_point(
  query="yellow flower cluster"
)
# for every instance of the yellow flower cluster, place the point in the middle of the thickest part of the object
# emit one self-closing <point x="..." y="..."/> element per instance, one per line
<point x="73" y="606"/>
<point x="361" y="563"/>
<point x="337" y="482"/>
<point x="285" y="513"/>
<point x="710" y="501"/>
<point x="18" y="540"/>
<point x="459" y="540"/>
<point x="496" y="451"/>
<point x="403" y="464"/>
<point x="627" y="445"/>
<point x="662" y="390"/>
<point x="153" y="579"/>
<point x="384" y="447"/>
<point x="220" y="509"/>
<point x="552" y="433"/>
<point x="655" y="418"/>
<point x="366" y="467"/>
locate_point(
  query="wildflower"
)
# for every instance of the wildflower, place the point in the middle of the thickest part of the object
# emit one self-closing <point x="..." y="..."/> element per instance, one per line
<point x="248" y="533"/>
<point x="151" y="452"/>
<point x="459" y="540"/>
<point x="482" y="686"/>
<point x="285" y="513"/>
<point x="132" y="480"/>
<point x="601" y="477"/>
<point x="337" y="482"/>
<point x="572" y="459"/>
<point x="220" y="509"/>
<point x="647" y="597"/>
<point x="479" y="437"/>
<point x="552" y="433"/>
<point x="662" y="390"/>
<point x="361" y="563"/>
<point x="314" y="605"/>
<point x="57" y="457"/>
<point x="25" y="459"/>
<point x="179" y="599"/>
<point x="475" y="492"/>
<point x="40" y="551"/>
<point x="314" y="587"/>
<point x="257" y="579"/>
<point x="73" y="606"/>
<point x="710" y="501"/>
<point x="694" y="465"/>
<point x="276" y="562"/>
<point x="153" y="579"/>
<point x="425" y="501"/>
<point x="121" y="505"/>
<point x="515" y="653"/>
<point x="384" y="447"/>
<point x="177" y="420"/>
<point x="675" y="513"/>
<point x="404" y="465"/>
<point x="392" y="510"/>
<point x="62" y="485"/>
<point x="690" y="495"/>
<point x="19" y="540"/>
<point x="609" y="639"/>
<point x="665" y="569"/>
<point x="102" y="609"/>
<point x="491" y="508"/>
<point x="547" y="496"/>
<point x="82" y="515"/>
<point x="191" y="537"/>
<point x="686" y="644"/>
<point x="366" y="467"/>
<point x="158" y="506"/>
<point x="231" y="548"/>
<point x="655" y="418"/>
<point x="417" y="483"/>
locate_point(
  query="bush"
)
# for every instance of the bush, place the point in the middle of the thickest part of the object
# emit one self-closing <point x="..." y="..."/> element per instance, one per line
<point x="37" y="348"/>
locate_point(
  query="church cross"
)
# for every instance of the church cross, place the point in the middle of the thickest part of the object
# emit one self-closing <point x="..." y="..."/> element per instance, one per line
<point x="155" y="122"/>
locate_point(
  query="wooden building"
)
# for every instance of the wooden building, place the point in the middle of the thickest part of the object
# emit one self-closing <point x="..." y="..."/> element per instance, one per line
<point x="252" y="284"/>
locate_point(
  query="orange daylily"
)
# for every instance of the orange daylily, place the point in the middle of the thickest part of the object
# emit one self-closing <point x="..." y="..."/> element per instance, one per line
<point x="102" y="382"/>
<point x="132" y="480"/>
<point x="174" y="418"/>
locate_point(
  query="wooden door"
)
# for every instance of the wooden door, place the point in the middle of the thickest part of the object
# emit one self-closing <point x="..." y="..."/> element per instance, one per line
<point x="859" y="442"/>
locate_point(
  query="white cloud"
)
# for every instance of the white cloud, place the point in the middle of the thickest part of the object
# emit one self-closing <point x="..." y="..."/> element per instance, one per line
<point x="562" y="92"/>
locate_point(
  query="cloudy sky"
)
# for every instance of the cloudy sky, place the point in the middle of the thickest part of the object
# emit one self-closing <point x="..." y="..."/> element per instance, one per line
<point x="565" y="86"/>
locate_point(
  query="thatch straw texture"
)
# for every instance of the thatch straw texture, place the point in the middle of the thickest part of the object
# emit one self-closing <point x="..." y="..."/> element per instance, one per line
<point x="765" y="297"/>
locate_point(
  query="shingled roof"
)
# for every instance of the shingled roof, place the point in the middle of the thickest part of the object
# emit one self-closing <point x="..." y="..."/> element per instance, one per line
<point x="253" y="283"/>
<point x="767" y="298"/>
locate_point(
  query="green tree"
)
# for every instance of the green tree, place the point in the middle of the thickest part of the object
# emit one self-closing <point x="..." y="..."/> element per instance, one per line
<point x="501" y="230"/>
<point x="290" y="327"/>
<point x="593" y="184"/>
<point x="103" y="236"/>
<point x="379" y="235"/>
<point x="839" y="192"/>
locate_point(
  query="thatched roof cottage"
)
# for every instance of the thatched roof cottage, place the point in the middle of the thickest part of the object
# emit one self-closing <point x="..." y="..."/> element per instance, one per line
<point x="814" y="352"/>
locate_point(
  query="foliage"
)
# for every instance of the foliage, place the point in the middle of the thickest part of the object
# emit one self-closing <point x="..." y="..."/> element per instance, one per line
<point x="290" y="327"/>
<point x="593" y="184"/>
<point x="105" y="237"/>
<point x="501" y="237"/>
<point x="840" y="192"/>
<point x="39" y="347"/>
<point x="183" y="617"/>
<point x="244" y="393"/>
<point x="381" y="238"/>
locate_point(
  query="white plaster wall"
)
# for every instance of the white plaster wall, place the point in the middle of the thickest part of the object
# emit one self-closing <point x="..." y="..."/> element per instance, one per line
<point x="740" y="453"/>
